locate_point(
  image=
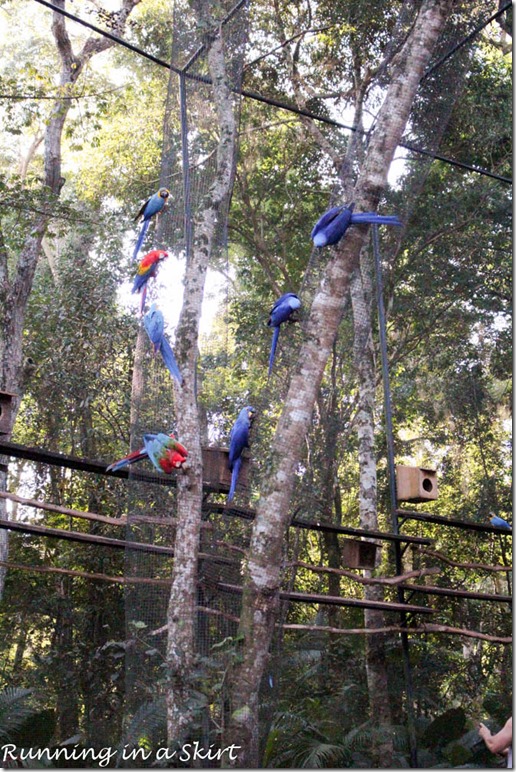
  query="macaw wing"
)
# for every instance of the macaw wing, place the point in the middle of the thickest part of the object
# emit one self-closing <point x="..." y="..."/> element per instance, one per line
<point x="148" y="263"/>
<point x="238" y="440"/>
<point x="282" y="299"/>
<point x="326" y="219"/>
<point x="141" y="210"/>
<point x="154" y="205"/>
<point x="155" y="445"/>
<point x="499" y="522"/>
<point x="154" y="323"/>
<point x="141" y="279"/>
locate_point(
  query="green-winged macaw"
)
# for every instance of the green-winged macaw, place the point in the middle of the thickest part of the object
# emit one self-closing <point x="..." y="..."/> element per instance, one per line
<point x="165" y="452"/>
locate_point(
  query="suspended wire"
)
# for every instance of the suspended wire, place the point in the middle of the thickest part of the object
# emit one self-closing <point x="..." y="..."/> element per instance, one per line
<point x="465" y="40"/>
<point x="269" y="101"/>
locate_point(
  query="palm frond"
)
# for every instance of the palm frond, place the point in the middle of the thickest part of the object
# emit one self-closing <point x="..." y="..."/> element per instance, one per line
<point x="15" y="709"/>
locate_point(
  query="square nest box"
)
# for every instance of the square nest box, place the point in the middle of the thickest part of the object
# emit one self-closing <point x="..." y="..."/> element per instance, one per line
<point x="216" y="471"/>
<point x="359" y="554"/>
<point x="414" y="483"/>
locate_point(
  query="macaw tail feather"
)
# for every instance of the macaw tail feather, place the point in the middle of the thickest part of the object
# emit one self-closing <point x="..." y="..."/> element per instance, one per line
<point x="372" y="217"/>
<point x="136" y="455"/>
<point x="234" y="478"/>
<point x="170" y="360"/>
<point x="141" y="237"/>
<point x="275" y="336"/>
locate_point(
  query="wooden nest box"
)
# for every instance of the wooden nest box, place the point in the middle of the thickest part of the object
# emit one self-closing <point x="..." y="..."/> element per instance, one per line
<point x="416" y="484"/>
<point x="6" y="411"/>
<point x="216" y="472"/>
<point x="359" y="554"/>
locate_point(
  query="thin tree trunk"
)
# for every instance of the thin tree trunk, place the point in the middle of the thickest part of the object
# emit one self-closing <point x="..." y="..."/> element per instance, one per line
<point x="183" y="596"/>
<point x="263" y="569"/>
<point x="375" y="660"/>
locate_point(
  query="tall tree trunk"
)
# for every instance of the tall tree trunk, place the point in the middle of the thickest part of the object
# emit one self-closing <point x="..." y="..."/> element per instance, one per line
<point x="263" y="568"/>
<point x="375" y="661"/>
<point x="15" y="290"/>
<point x="183" y="596"/>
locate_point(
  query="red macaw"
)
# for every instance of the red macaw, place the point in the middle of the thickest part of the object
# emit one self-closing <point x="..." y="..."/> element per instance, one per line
<point x="147" y="269"/>
<point x="165" y="452"/>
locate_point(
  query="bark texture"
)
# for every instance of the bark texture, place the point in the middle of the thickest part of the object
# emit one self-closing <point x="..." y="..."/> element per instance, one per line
<point x="183" y="596"/>
<point x="262" y="576"/>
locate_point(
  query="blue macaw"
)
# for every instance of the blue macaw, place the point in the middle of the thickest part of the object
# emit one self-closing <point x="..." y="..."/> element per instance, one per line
<point x="155" y="325"/>
<point x="147" y="268"/>
<point x="238" y="440"/>
<point x="165" y="452"/>
<point x="148" y="210"/>
<point x="280" y="312"/>
<point x="331" y="227"/>
<point x="499" y="522"/>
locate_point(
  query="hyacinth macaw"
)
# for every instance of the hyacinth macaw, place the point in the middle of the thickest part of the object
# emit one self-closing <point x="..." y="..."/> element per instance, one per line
<point x="148" y="210"/>
<point x="155" y="325"/>
<point x="165" y="452"/>
<point x="331" y="227"/>
<point x="499" y="522"/>
<point x="280" y="312"/>
<point x="238" y="440"/>
<point x="147" y="268"/>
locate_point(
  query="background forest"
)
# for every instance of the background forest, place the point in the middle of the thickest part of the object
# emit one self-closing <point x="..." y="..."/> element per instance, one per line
<point x="90" y="130"/>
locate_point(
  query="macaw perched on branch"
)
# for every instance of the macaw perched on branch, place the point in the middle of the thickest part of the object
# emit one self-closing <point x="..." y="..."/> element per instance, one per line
<point x="147" y="269"/>
<point x="331" y="227"/>
<point x="282" y="309"/>
<point x="165" y="452"/>
<point x="155" y="325"/>
<point x="499" y="522"/>
<point x="238" y="440"/>
<point x="148" y="210"/>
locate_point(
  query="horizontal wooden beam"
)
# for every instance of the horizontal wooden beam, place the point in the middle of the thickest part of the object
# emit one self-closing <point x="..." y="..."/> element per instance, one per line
<point x="42" y="456"/>
<point x="451" y="593"/>
<point x="80" y="464"/>
<point x="79" y="513"/>
<point x="450" y="522"/>
<point x="100" y="541"/>
<point x="319" y="525"/>
<point x="333" y="600"/>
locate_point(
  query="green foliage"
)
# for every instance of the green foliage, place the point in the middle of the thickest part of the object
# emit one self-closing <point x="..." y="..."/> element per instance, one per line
<point x="448" y="293"/>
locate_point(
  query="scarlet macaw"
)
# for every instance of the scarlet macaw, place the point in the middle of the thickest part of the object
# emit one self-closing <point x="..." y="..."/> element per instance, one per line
<point x="147" y="268"/>
<point x="155" y="325"/>
<point x="148" y="210"/>
<point x="238" y="440"/>
<point x="280" y="312"/>
<point x="331" y="227"/>
<point x="165" y="452"/>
